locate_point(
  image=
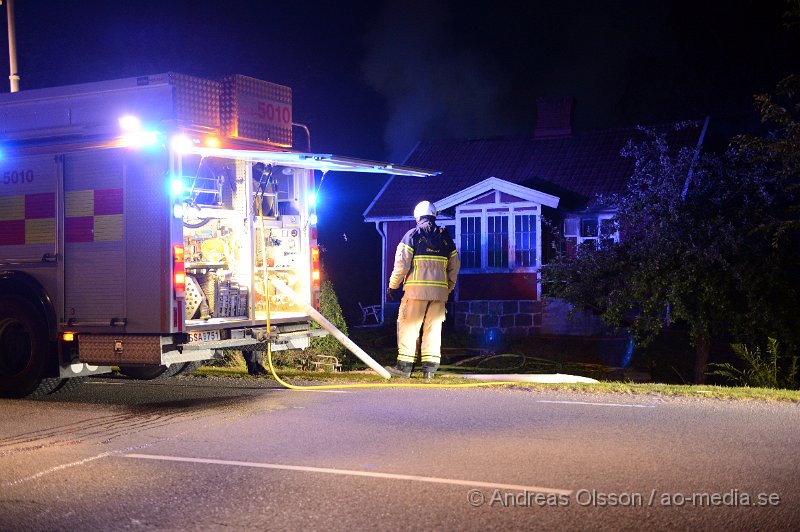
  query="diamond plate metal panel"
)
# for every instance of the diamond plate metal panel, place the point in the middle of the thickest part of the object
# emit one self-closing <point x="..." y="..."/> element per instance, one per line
<point x="196" y="99"/>
<point x="102" y="349"/>
<point x="255" y="109"/>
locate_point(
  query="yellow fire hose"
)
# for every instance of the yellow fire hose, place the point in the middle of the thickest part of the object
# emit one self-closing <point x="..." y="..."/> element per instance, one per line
<point x="376" y="384"/>
<point x="357" y="351"/>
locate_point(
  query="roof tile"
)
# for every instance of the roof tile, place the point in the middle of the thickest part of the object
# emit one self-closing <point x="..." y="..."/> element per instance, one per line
<point x="577" y="168"/>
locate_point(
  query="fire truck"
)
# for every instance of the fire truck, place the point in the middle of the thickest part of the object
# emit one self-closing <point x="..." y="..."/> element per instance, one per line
<point x="141" y="220"/>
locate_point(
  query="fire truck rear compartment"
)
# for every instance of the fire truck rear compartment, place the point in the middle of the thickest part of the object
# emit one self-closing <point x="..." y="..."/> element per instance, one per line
<point x="227" y="255"/>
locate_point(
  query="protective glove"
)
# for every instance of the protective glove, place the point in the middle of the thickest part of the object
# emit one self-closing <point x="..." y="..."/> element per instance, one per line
<point x="392" y="294"/>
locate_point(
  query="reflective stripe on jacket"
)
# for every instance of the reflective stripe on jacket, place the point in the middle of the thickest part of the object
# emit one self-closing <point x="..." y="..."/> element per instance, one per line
<point x="426" y="262"/>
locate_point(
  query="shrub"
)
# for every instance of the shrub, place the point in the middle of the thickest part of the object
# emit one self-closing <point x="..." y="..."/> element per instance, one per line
<point x="761" y="370"/>
<point x="330" y="308"/>
<point x="228" y="358"/>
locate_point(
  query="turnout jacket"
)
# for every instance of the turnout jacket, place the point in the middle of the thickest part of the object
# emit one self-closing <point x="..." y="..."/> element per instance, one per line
<point x="426" y="262"/>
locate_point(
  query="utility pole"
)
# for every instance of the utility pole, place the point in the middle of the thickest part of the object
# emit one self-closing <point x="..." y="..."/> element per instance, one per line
<point x="12" y="46"/>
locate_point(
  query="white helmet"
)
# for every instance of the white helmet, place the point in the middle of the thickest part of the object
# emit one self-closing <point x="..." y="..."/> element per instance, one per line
<point x="424" y="208"/>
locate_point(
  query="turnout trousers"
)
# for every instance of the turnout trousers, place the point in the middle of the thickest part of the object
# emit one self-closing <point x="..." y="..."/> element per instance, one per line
<point x="413" y="315"/>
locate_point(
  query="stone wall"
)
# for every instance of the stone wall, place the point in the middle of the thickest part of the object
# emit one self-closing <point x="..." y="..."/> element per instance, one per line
<point x="525" y="318"/>
<point x="504" y="318"/>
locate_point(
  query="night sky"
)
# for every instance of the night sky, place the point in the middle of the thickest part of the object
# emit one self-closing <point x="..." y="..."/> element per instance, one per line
<point x="371" y="78"/>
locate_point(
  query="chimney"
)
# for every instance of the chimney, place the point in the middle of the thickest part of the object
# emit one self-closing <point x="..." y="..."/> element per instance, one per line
<point x="554" y="117"/>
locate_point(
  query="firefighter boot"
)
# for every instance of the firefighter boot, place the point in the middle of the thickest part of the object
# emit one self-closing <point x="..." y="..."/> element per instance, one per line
<point x="428" y="370"/>
<point x="400" y="369"/>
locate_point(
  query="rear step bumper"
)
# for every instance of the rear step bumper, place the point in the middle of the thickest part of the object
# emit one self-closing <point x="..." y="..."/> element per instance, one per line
<point x="281" y="341"/>
<point x="114" y="350"/>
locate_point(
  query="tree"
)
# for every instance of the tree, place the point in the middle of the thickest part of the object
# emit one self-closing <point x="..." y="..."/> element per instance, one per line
<point x="770" y="269"/>
<point x="665" y="266"/>
<point x="710" y="241"/>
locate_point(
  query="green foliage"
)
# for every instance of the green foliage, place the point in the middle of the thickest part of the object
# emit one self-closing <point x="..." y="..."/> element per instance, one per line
<point x="761" y="370"/>
<point x="228" y="358"/>
<point x="712" y="241"/>
<point x="769" y="268"/>
<point x="330" y="308"/>
<point x="664" y="267"/>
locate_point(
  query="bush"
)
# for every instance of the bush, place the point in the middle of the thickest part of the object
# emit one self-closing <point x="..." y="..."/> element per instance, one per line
<point x="228" y="358"/>
<point x="761" y="370"/>
<point x="330" y="308"/>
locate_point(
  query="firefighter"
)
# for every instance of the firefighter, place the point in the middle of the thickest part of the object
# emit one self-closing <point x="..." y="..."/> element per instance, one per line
<point x="426" y="263"/>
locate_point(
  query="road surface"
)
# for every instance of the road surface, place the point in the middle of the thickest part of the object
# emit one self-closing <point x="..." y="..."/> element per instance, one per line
<point x="244" y="454"/>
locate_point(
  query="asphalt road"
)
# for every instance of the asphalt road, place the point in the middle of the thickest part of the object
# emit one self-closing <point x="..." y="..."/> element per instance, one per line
<point x="242" y="454"/>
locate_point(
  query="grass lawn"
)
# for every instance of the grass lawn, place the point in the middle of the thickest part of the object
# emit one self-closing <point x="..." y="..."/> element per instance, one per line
<point x="619" y="388"/>
<point x="459" y="357"/>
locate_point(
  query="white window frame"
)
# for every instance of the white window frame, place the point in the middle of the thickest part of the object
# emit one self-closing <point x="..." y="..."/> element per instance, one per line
<point x="600" y="217"/>
<point x="497" y="207"/>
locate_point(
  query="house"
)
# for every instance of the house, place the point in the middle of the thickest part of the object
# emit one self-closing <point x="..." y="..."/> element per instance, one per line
<point x="499" y="197"/>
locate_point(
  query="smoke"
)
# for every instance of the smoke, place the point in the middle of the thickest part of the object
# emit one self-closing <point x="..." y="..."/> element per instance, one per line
<point x="454" y="69"/>
<point x="433" y="87"/>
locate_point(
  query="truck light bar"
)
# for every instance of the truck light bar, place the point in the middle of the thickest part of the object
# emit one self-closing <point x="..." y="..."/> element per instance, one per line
<point x="312" y="161"/>
<point x="130" y="123"/>
<point x="181" y="144"/>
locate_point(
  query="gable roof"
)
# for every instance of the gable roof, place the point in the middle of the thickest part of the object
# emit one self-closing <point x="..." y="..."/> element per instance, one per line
<point x="574" y="168"/>
<point x="519" y="192"/>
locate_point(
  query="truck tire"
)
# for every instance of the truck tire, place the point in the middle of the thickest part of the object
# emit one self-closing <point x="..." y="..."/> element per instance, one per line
<point x="149" y="373"/>
<point x="67" y="385"/>
<point x="144" y="373"/>
<point x="24" y="351"/>
<point x="186" y="367"/>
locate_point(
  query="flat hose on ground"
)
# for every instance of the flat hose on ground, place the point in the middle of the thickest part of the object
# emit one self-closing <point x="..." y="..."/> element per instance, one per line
<point x="360" y="353"/>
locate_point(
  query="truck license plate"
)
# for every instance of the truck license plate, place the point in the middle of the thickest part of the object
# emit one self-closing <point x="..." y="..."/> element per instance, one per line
<point x="204" y="336"/>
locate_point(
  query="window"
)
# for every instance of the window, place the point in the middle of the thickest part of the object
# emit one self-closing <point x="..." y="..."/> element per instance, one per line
<point x="498" y="237"/>
<point x="497" y="241"/>
<point x="590" y="228"/>
<point x="608" y="228"/>
<point x="571" y="227"/>
<point x="470" y="251"/>
<point x="525" y="240"/>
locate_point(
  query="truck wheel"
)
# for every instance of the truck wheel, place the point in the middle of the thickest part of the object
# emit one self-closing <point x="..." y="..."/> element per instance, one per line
<point x="186" y="367"/>
<point x="68" y="384"/>
<point x="24" y="351"/>
<point x="144" y="373"/>
<point x="148" y="373"/>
